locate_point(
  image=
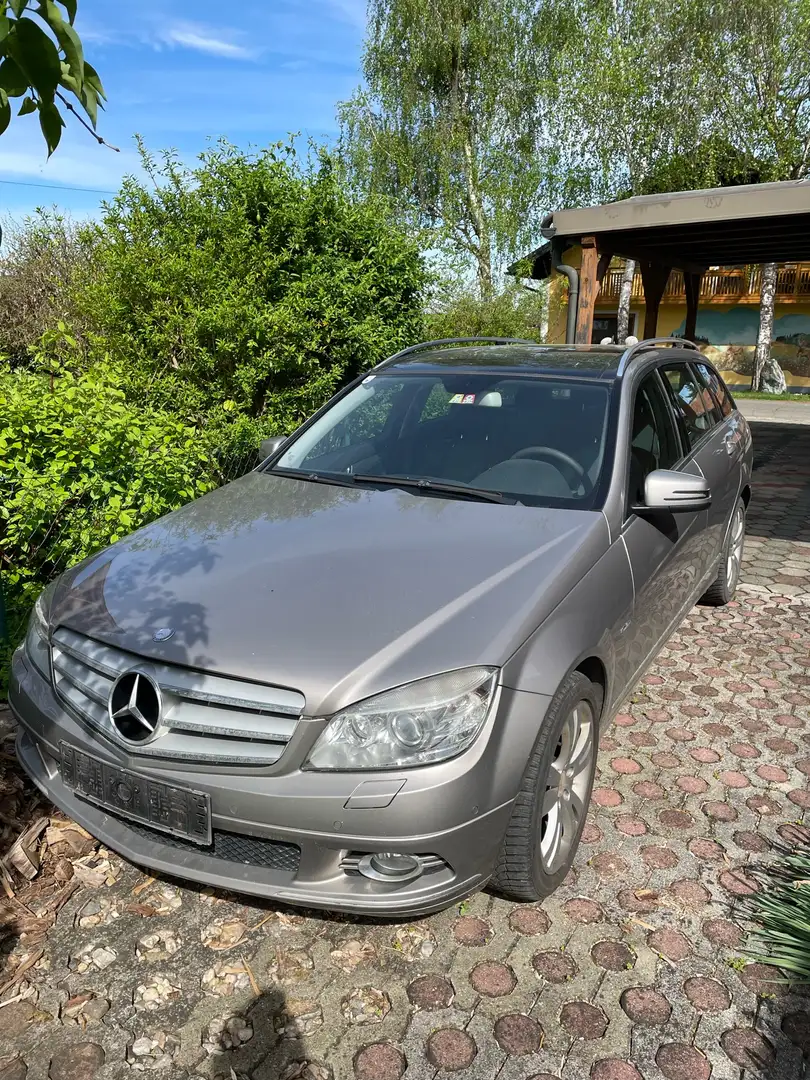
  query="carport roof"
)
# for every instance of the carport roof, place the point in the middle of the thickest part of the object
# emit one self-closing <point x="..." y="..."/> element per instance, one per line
<point x="691" y="230"/>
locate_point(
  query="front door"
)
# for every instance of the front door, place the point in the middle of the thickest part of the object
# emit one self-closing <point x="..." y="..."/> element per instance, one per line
<point x="665" y="551"/>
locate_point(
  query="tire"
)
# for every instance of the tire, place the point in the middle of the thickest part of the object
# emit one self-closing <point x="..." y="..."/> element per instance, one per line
<point x="526" y="869"/>
<point x="724" y="586"/>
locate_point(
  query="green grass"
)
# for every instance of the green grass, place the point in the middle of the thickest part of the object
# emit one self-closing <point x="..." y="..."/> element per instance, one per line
<point x="756" y="395"/>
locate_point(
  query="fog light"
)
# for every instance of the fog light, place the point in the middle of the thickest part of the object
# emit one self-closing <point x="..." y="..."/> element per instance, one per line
<point x="390" y="866"/>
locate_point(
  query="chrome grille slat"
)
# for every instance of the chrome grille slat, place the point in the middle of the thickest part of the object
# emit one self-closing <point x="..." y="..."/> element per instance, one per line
<point x="207" y="718"/>
<point x="90" y="661"/>
<point x="238" y="724"/>
<point x="89" y="682"/>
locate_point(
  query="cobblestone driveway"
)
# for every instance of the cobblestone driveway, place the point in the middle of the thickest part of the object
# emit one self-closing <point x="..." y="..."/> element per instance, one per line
<point x="630" y="971"/>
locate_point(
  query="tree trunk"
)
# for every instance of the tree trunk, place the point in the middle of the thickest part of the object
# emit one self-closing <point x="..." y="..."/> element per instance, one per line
<point x="762" y="355"/>
<point x="480" y="225"/>
<point x="623" y="321"/>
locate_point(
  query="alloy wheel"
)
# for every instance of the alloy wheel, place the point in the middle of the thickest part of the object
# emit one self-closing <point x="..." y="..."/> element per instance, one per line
<point x="735" y="548"/>
<point x="564" y="802"/>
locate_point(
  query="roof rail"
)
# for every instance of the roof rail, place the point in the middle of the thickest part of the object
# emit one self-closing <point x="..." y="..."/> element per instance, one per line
<point x="454" y="341"/>
<point x="646" y="343"/>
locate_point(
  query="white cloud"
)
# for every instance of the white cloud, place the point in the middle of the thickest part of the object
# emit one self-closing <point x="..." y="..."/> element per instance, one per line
<point x="206" y="39"/>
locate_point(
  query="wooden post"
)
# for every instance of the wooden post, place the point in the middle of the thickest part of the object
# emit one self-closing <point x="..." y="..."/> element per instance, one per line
<point x="655" y="278"/>
<point x="588" y="288"/>
<point x="692" y="283"/>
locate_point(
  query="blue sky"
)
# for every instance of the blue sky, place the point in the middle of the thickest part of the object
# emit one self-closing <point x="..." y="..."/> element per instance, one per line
<point x="178" y="72"/>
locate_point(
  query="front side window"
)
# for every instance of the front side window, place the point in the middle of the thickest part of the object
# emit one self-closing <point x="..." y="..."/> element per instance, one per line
<point x="693" y="399"/>
<point x="540" y="440"/>
<point x="654" y="442"/>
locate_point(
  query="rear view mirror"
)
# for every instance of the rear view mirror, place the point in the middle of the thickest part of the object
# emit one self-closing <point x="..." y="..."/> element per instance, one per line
<point x="269" y="447"/>
<point x="676" y="492"/>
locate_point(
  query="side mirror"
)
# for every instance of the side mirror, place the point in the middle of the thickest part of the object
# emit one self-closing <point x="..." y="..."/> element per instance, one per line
<point x="268" y="447"/>
<point x="676" y="492"/>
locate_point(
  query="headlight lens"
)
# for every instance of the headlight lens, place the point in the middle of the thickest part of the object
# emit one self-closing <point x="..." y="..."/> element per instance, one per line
<point x="423" y="722"/>
<point x="36" y="640"/>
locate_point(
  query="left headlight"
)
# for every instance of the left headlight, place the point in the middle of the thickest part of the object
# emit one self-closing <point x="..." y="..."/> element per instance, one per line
<point x="417" y="724"/>
<point x="37" y="648"/>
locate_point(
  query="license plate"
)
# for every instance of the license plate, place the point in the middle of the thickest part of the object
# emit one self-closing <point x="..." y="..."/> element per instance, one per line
<point x="176" y="810"/>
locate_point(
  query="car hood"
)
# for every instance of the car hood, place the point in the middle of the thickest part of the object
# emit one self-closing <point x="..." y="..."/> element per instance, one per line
<point x="333" y="591"/>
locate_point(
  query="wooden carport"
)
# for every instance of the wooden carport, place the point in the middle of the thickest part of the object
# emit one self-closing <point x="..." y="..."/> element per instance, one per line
<point x="685" y="230"/>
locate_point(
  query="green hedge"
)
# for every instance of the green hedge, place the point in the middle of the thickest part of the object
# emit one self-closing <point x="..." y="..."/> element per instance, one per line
<point x="82" y="466"/>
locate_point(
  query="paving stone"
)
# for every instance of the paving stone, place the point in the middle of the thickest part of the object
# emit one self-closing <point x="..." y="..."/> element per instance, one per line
<point x="451" y="1049"/>
<point x="646" y="1006"/>
<point x="796" y="1026"/>
<point x="493" y="979"/>
<point x="518" y="1034"/>
<point x="748" y="1049"/>
<point x="581" y="910"/>
<point x="678" y="1061"/>
<point x="613" y="955"/>
<point x="77" y="1062"/>
<point x="379" y="1061"/>
<point x="431" y="992"/>
<point x="614" y="1069"/>
<point x="583" y="1020"/>
<point x="13" y="1068"/>
<point x="470" y="930"/>
<point x="670" y="943"/>
<point x="554" y="967"/>
<point x="529" y="921"/>
<point x="707" y="995"/>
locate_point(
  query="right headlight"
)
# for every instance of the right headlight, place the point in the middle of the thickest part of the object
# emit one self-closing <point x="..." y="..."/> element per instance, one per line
<point x="37" y="647"/>
<point x="417" y="724"/>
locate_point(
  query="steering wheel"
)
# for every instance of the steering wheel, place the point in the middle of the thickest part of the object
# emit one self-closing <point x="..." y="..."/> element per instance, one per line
<point x="558" y="457"/>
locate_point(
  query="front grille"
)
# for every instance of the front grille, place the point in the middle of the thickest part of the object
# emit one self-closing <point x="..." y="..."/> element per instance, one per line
<point x="206" y="718"/>
<point x="231" y="847"/>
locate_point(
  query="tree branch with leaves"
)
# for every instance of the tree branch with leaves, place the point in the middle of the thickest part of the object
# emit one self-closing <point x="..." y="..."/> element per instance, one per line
<point x="42" y="61"/>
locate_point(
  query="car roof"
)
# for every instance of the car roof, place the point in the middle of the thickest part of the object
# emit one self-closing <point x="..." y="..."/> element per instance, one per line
<point x="592" y="361"/>
<point x="498" y="355"/>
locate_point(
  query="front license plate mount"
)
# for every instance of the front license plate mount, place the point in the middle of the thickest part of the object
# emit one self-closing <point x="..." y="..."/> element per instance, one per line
<point x="165" y="807"/>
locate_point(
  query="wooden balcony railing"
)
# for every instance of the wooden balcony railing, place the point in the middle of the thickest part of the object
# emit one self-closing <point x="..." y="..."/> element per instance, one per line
<point x="721" y="286"/>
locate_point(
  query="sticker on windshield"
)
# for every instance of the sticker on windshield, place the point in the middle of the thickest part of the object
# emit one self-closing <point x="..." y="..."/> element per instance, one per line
<point x="369" y="378"/>
<point x="462" y="399"/>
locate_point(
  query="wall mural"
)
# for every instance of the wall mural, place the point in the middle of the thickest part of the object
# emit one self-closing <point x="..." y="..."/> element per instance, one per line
<point x="728" y="339"/>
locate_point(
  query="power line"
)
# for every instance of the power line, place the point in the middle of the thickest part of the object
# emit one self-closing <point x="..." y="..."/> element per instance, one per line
<point x="59" y="187"/>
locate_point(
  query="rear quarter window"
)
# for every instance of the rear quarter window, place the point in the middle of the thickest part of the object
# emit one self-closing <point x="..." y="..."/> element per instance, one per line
<point x="693" y="401"/>
<point x="717" y="386"/>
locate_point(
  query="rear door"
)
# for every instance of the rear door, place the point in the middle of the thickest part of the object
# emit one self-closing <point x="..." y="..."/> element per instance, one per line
<point x="665" y="551"/>
<point x="712" y="447"/>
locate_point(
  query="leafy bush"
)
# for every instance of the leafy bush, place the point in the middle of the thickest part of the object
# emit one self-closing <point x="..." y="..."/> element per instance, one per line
<point x="40" y="259"/>
<point x="251" y="282"/>
<point x="516" y="312"/>
<point x="83" y="466"/>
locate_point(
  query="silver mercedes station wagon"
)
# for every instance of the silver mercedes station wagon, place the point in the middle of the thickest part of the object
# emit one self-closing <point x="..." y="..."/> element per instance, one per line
<point x="370" y="675"/>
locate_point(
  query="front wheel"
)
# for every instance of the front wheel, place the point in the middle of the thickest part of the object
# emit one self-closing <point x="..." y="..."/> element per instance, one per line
<point x="549" y="813"/>
<point x="722" y="589"/>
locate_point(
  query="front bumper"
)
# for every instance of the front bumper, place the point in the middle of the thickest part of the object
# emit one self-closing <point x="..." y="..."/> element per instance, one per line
<point x="457" y="811"/>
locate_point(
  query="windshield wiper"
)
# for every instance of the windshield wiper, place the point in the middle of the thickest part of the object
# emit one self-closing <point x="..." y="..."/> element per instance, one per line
<point x="313" y="477"/>
<point x="432" y="485"/>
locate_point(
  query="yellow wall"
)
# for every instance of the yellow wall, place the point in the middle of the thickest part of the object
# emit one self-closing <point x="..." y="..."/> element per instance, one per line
<point x="735" y="361"/>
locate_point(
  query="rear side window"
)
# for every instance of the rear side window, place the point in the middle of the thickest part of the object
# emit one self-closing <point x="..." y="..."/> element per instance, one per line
<point x="693" y="400"/>
<point x="718" y="387"/>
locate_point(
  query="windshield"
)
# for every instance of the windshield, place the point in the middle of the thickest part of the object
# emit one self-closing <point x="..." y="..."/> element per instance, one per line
<point x="538" y="440"/>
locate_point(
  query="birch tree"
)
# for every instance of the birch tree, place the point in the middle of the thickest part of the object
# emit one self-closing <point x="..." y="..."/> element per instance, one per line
<point x="453" y="115"/>
<point x="755" y="56"/>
